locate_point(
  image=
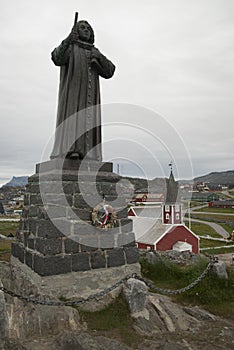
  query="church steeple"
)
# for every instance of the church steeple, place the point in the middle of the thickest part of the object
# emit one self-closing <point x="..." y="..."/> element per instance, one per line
<point x="172" y="188"/>
<point x="172" y="213"/>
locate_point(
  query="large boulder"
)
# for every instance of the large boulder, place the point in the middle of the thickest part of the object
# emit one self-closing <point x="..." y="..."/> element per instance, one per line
<point x="135" y="292"/>
<point x="219" y="269"/>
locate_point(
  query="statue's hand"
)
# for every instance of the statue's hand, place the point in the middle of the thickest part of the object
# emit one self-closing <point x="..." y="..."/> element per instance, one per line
<point x="72" y="37"/>
<point x="95" y="53"/>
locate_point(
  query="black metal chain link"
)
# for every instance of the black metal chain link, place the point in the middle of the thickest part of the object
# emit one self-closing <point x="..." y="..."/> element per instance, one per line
<point x="81" y="300"/>
<point x="176" y="291"/>
<point x="101" y="294"/>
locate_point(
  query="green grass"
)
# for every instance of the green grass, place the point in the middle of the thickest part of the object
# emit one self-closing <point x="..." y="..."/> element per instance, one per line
<point x="212" y="293"/>
<point x="227" y="227"/>
<point x="213" y="218"/>
<point x="7" y="227"/>
<point x="206" y="243"/>
<point x="191" y="204"/>
<point x="169" y="275"/>
<point x="113" y="321"/>
<point x="219" y="251"/>
<point x="5" y="245"/>
<point x="5" y="250"/>
<point x="201" y="229"/>
<point x="216" y="210"/>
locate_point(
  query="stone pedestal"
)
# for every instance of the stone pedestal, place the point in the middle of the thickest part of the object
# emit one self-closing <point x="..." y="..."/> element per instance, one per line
<point x="56" y="234"/>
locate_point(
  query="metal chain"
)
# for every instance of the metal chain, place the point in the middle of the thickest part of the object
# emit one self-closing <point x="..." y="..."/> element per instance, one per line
<point x="176" y="291"/>
<point x="81" y="300"/>
<point x="101" y="294"/>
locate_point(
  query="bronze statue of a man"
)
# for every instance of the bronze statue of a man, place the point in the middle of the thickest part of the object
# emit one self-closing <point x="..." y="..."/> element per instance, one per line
<point x="81" y="65"/>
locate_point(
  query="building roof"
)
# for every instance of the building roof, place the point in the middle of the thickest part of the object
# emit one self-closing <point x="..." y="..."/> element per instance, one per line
<point x="148" y="212"/>
<point x="154" y="233"/>
<point x="141" y="226"/>
<point x="224" y="202"/>
<point x="157" y="231"/>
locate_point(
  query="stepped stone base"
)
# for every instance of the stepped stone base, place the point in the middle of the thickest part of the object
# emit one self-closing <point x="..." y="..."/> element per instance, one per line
<point x="70" y="285"/>
<point x="56" y="235"/>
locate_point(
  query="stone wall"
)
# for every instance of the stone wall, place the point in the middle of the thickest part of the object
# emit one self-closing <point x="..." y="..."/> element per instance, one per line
<point x="56" y="234"/>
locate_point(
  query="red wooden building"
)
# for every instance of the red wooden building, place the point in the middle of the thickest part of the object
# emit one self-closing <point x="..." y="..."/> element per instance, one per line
<point x="222" y="204"/>
<point x="169" y="237"/>
<point x="167" y="232"/>
<point x="146" y="198"/>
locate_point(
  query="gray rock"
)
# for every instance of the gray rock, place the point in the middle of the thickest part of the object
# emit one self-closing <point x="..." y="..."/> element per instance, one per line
<point x="11" y="345"/>
<point x="152" y="258"/>
<point x="173" y="346"/>
<point x="135" y="292"/>
<point x="84" y="341"/>
<point x="199" y="314"/>
<point x="180" y="258"/>
<point x="2" y="314"/>
<point x="164" y="316"/>
<point x="220" y="270"/>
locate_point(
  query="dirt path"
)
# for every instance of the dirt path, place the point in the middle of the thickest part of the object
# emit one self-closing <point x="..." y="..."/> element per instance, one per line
<point x="227" y="258"/>
<point x="218" y="228"/>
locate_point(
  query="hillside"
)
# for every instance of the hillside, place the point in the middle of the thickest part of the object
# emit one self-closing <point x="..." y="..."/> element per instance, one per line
<point x="155" y="185"/>
<point x="17" y="181"/>
<point x="218" y="178"/>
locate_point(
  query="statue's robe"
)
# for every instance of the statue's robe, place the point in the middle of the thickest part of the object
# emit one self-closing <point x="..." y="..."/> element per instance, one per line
<point x="79" y="91"/>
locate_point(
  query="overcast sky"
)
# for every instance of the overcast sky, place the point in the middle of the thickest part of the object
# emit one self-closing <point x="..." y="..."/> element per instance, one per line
<point x="174" y="57"/>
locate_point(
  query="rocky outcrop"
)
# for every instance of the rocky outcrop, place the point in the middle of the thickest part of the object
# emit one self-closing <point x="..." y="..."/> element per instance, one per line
<point x="180" y="258"/>
<point x="158" y="322"/>
<point x="164" y="316"/>
<point x="135" y="292"/>
<point x="2" y="314"/>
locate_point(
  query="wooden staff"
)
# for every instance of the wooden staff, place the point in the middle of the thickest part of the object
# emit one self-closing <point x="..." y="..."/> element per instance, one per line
<point x="76" y="18"/>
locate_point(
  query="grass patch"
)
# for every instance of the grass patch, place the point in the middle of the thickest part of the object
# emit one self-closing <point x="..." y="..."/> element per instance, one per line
<point x="5" y="250"/>
<point x="216" y="210"/>
<point x="219" y="250"/>
<point x="5" y="245"/>
<point x="201" y="229"/>
<point x="113" y="321"/>
<point x="192" y="204"/>
<point x="206" y="243"/>
<point x="166" y="274"/>
<point x="227" y="227"/>
<point x="7" y="227"/>
<point x="212" y="217"/>
<point x="212" y="293"/>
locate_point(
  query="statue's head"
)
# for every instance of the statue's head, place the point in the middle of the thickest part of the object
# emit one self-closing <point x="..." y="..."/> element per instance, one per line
<point x="85" y="32"/>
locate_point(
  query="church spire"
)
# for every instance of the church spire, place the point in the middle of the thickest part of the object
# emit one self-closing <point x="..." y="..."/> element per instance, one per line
<point x="172" y="188"/>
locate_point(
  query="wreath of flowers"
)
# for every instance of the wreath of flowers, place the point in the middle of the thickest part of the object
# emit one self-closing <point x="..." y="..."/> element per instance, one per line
<point x="104" y="216"/>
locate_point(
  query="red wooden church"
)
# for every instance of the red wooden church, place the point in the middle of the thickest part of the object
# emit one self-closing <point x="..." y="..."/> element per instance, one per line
<point x="168" y="232"/>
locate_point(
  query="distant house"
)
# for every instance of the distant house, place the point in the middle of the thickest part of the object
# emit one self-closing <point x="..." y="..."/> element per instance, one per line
<point x="222" y="204"/>
<point x="203" y="196"/>
<point x="149" y="198"/>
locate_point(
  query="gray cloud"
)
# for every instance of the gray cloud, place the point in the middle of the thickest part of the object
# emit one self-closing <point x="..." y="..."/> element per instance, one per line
<point x="175" y="57"/>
